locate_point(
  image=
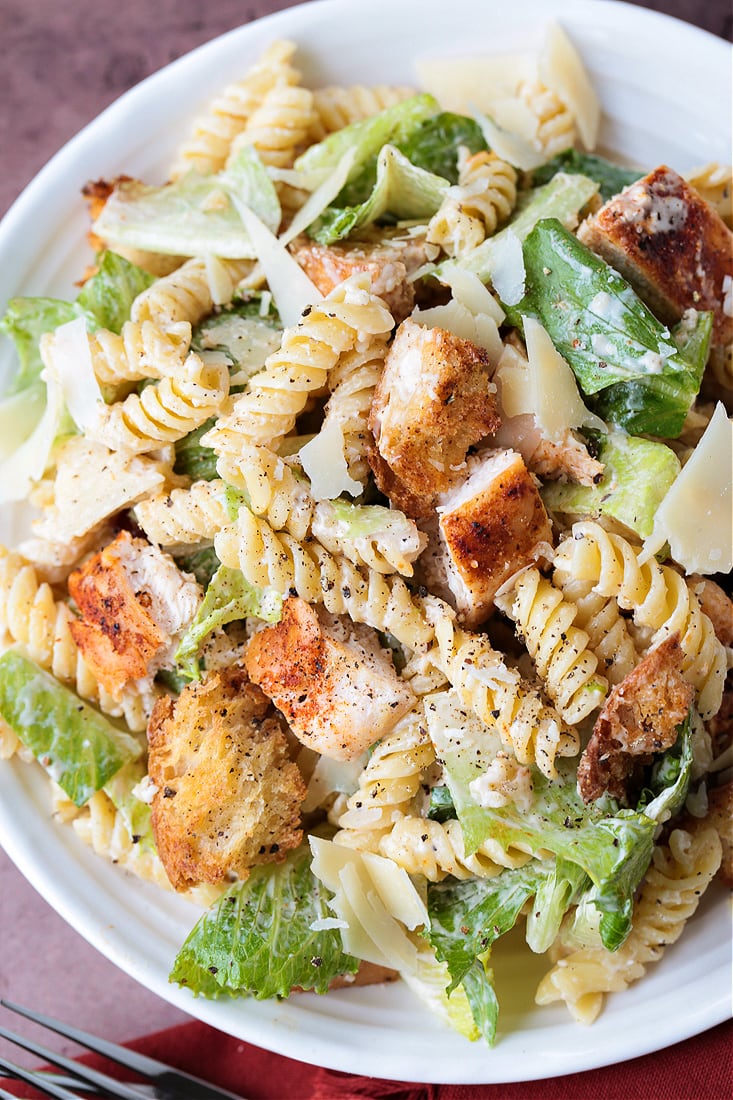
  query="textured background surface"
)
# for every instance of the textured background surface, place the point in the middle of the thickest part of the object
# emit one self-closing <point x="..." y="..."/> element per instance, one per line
<point x="62" y="64"/>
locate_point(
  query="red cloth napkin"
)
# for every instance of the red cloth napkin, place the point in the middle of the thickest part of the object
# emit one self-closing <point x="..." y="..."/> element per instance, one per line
<point x="697" y="1069"/>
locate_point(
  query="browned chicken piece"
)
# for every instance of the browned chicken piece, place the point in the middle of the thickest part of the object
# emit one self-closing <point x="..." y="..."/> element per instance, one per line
<point x="227" y="794"/>
<point x="134" y="604"/>
<point x="720" y="816"/>
<point x="717" y="606"/>
<point x="433" y="401"/>
<point x="389" y="262"/>
<point x="640" y="717"/>
<point x="367" y="974"/>
<point x="490" y="526"/>
<point x="338" y="696"/>
<point x="720" y="726"/>
<point x="671" y="245"/>
<point x="569" y="459"/>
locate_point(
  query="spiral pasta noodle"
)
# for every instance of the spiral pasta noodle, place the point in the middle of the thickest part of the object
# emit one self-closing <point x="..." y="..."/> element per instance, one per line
<point x="207" y="148"/>
<point x="484" y="198"/>
<point x="349" y="318"/>
<point x="599" y="617"/>
<point x="32" y="617"/>
<point x="436" y="849"/>
<point x="139" y="351"/>
<point x="714" y="182"/>
<point x="273" y="488"/>
<point x="189" y="293"/>
<point x="335" y="107"/>
<point x="184" y="515"/>
<point x="352" y="385"/>
<point x="278" y="127"/>
<point x="559" y="649"/>
<point x="308" y="570"/>
<point x="657" y="596"/>
<point x="681" y="872"/>
<point x="555" y="123"/>
<point x="163" y="412"/>
<point x="534" y="732"/>
<point x="389" y="784"/>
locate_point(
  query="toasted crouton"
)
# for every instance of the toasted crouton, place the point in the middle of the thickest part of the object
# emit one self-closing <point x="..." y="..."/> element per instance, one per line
<point x="338" y="696"/>
<point x="228" y="796"/>
<point x="433" y="401"/>
<point x="720" y="815"/>
<point x="671" y="245"/>
<point x="389" y="263"/>
<point x="640" y="717"/>
<point x="490" y="526"/>
<point x="134" y="604"/>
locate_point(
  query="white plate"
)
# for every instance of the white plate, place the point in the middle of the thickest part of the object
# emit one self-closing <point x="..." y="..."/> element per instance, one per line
<point x="653" y="112"/>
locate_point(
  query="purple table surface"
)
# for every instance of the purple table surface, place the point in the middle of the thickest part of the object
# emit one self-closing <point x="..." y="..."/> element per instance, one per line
<point x="63" y="63"/>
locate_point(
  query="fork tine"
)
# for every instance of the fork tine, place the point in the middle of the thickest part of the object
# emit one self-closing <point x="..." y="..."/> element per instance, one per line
<point x="131" y="1059"/>
<point x="27" y="1075"/>
<point x="117" y="1088"/>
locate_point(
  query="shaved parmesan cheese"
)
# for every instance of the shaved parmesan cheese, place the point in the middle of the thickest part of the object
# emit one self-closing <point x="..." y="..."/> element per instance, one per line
<point x="551" y="393"/>
<point x="322" y="197"/>
<point x="517" y="149"/>
<point x="695" y="515"/>
<point x="479" y="328"/>
<point x="376" y="901"/>
<point x="291" y="288"/>
<point x="483" y="79"/>
<point x="506" y="267"/>
<point x="563" y="72"/>
<point x="332" y="775"/>
<point x="470" y="292"/>
<point x="324" y="462"/>
<point x="219" y="280"/>
<point x="67" y="357"/>
<point x="27" y="464"/>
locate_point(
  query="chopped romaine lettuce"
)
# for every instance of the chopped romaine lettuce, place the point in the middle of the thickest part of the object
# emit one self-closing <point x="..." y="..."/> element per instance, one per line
<point x="401" y="190"/>
<point x="25" y="322"/>
<point x="638" y="473"/>
<point x="611" y="178"/>
<point x="258" y="939"/>
<point x="19" y="415"/>
<point x="192" y="458"/>
<point x="435" y="143"/>
<point x="617" y="349"/>
<point x="430" y="980"/>
<point x="395" y="124"/>
<point x="107" y="297"/>
<point x="79" y="748"/>
<point x="555" y="894"/>
<point x="202" y="563"/>
<point x="194" y="215"/>
<point x="135" y="813"/>
<point x="229" y="597"/>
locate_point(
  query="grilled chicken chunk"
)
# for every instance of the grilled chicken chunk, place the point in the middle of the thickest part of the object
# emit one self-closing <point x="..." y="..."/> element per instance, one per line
<point x="640" y="717"/>
<point x="720" y="814"/>
<point x="389" y="262"/>
<point x="671" y="245"/>
<point x="490" y="526"/>
<point x="337" y="695"/>
<point x="135" y="604"/>
<point x="433" y="401"/>
<point x="227" y="795"/>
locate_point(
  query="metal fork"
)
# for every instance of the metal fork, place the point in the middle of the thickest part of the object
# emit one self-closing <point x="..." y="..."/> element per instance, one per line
<point x="164" y="1082"/>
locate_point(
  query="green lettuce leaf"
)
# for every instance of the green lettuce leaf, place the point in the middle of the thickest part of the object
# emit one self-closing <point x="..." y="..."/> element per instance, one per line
<point x="19" y="415"/>
<point x="243" y="335"/>
<point x="257" y="939"/>
<point x="435" y="143"/>
<point x="25" y="322"/>
<point x="611" y="178"/>
<point x="394" y="125"/>
<point x="79" y="748"/>
<point x="638" y="473"/>
<point x="195" y="215"/>
<point x="135" y="813"/>
<point x="202" y="563"/>
<point x="194" y="460"/>
<point x="229" y="597"/>
<point x="401" y="190"/>
<point x="616" y="347"/>
<point x="555" y="894"/>
<point x="106" y="299"/>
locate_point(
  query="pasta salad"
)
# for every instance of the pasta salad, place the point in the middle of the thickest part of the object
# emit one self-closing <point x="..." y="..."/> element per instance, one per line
<point x="375" y="592"/>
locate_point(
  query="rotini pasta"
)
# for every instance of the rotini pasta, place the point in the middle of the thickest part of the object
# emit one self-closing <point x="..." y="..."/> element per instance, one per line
<point x="599" y="617"/>
<point x="207" y="148"/>
<point x="189" y="293"/>
<point x="435" y="850"/>
<point x="484" y="198"/>
<point x="556" y="129"/>
<point x="278" y="127"/>
<point x="559" y="649"/>
<point x="352" y="385"/>
<point x="336" y="107"/>
<point x="165" y="411"/>
<point x="139" y="351"/>
<point x="658" y="597"/>
<point x="681" y="872"/>
<point x="349" y="318"/>
<point x="714" y="182"/>
<point x="184" y="515"/>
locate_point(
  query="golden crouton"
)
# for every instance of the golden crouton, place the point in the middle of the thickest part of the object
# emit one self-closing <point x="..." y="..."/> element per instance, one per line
<point x="671" y="245"/>
<point x="338" y="697"/>
<point x="720" y="815"/>
<point x="490" y="526"/>
<point x="228" y="795"/>
<point x="433" y="401"/>
<point x="640" y="717"/>
<point x="389" y="263"/>
<point x="133" y="603"/>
